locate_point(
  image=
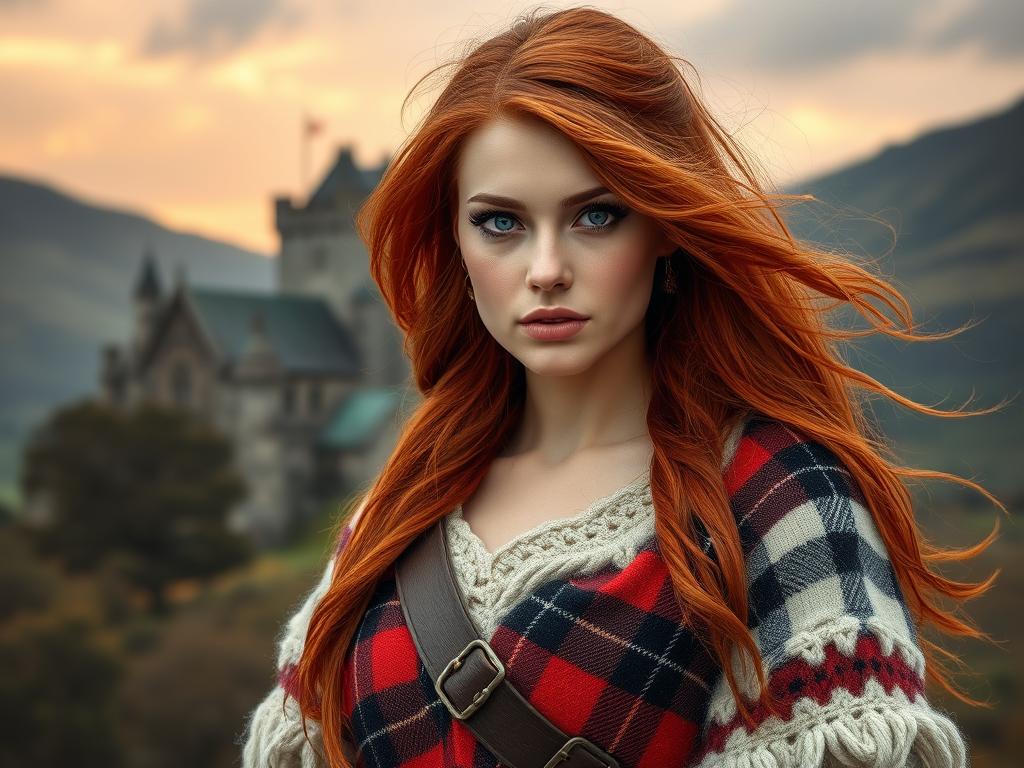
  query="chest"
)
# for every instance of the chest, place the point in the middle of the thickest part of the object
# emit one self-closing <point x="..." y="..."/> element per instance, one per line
<point x="605" y="656"/>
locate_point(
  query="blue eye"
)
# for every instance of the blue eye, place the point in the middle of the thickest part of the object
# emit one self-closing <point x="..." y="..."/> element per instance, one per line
<point x="503" y="219"/>
<point x="499" y="218"/>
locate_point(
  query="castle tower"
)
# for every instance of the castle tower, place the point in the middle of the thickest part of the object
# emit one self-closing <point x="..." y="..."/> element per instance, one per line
<point x="321" y="253"/>
<point x="148" y="297"/>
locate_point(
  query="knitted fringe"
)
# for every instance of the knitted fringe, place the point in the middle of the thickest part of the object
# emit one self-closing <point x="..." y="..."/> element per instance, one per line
<point x="874" y="730"/>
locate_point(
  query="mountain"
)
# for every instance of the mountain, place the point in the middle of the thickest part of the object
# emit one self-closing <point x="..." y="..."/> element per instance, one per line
<point x="67" y="270"/>
<point x="957" y="254"/>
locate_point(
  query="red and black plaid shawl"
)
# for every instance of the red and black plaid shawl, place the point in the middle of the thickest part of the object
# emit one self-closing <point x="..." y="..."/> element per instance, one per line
<point x="607" y="656"/>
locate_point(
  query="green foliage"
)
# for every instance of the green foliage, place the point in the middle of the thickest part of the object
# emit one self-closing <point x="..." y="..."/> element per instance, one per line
<point x="56" y="694"/>
<point x="153" y="485"/>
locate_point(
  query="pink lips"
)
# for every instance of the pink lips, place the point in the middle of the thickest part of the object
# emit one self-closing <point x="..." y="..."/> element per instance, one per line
<point x="553" y="331"/>
<point x="551" y="313"/>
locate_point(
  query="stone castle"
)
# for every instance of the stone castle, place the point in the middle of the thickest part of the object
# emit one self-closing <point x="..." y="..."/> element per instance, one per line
<point x="309" y="382"/>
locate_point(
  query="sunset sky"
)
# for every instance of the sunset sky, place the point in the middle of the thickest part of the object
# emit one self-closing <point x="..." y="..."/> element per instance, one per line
<point x="190" y="111"/>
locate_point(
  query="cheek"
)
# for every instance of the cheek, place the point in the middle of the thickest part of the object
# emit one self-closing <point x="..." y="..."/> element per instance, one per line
<point x="489" y="274"/>
<point x="493" y="283"/>
<point x="625" y="272"/>
<point x="496" y="289"/>
<point x="626" y="277"/>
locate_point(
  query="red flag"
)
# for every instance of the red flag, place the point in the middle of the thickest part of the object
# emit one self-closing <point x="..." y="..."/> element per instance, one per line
<point x="313" y="126"/>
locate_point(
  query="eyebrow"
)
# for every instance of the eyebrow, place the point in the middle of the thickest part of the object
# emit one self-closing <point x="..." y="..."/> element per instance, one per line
<point x="515" y="205"/>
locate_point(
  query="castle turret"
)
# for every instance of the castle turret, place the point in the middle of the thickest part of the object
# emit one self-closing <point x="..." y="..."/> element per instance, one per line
<point x="148" y="298"/>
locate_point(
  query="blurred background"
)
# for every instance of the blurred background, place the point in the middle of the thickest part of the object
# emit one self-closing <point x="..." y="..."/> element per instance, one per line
<point x="199" y="373"/>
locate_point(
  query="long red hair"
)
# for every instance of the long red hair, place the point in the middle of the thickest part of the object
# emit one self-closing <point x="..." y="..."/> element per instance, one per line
<point x="747" y="330"/>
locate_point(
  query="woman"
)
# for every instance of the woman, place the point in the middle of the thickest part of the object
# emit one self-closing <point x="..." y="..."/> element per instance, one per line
<point x="745" y="584"/>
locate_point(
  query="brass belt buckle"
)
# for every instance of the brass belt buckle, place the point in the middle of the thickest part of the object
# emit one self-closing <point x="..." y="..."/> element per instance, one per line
<point x="480" y="696"/>
<point x="587" y="746"/>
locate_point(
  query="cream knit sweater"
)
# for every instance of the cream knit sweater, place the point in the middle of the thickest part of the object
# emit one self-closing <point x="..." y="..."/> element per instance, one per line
<point x="608" y="530"/>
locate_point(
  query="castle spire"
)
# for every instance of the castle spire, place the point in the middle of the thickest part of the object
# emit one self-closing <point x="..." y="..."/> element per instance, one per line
<point x="147" y="286"/>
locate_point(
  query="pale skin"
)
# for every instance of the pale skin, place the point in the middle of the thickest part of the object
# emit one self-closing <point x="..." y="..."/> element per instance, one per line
<point x="584" y="433"/>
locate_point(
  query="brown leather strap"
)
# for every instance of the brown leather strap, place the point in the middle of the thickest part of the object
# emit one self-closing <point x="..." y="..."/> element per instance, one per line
<point x="468" y="676"/>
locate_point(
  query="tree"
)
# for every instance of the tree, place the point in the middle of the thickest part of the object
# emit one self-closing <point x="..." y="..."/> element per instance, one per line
<point x="152" y="485"/>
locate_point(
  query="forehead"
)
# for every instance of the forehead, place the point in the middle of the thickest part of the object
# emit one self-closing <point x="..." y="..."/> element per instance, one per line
<point x="521" y="157"/>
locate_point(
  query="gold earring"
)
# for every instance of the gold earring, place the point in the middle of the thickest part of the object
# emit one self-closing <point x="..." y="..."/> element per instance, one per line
<point x="469" y="288"/>
<point x="669" y="283"/>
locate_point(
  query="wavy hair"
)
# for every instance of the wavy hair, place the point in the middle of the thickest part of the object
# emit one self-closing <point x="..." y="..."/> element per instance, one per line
<point x="747" y="330"/>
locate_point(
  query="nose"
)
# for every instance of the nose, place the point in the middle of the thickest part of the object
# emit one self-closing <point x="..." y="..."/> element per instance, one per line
<point x="548" y="267"/>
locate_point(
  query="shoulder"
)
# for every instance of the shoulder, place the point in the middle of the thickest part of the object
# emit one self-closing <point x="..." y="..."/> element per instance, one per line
<point x="350" y="525"/>
<point x="776" y="469"/>
<point x="782" y="482"/>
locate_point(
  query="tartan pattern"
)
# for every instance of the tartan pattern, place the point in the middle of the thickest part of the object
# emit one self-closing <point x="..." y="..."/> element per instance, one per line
<point x="825" y="606"/>
<point x="812" y="550"/>
<point x="607" y="656"/>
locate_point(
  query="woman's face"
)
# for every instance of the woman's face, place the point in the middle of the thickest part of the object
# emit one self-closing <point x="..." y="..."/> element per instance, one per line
<point x="590" y="255"/>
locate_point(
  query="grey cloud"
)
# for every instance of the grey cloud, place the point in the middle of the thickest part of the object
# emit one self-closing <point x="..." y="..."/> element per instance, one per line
<point x="792" y="35"/>
<point x="212" y="27"/>
<point x="997" y="25"/>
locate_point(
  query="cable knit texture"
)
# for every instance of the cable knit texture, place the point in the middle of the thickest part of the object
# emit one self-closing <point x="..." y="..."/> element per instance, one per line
<point x="609" y="530"/>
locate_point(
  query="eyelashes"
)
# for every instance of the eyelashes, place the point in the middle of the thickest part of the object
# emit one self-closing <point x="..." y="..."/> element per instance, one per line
<point x="477" y="219"/>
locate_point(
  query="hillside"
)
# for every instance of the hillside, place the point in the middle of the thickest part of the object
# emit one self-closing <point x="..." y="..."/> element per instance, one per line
<point x="957" y="255"/>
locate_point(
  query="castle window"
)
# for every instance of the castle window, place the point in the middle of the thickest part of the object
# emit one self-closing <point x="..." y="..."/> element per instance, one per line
<point x="181" y="384"/>
<point x="288" y="399"/>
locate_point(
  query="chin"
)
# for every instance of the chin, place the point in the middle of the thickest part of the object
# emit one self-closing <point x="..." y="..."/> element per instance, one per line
<point x="556" y="362"/>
